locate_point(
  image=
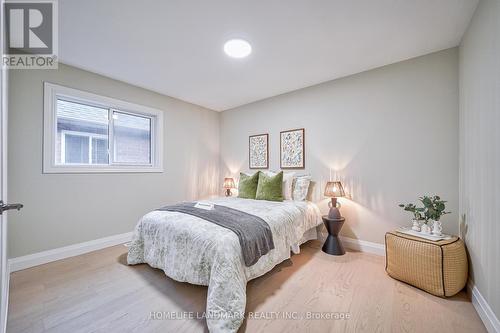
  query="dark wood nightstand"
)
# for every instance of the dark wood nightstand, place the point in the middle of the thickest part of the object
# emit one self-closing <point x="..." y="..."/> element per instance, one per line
<point x="332" y="244"/>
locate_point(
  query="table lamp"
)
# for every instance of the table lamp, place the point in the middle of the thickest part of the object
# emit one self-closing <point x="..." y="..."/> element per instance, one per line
<point x="334" y="190"/>
<point x="228" y="185"/>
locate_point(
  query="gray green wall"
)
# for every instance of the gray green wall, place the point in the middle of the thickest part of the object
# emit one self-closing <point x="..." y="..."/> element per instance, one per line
<point x="390" y="134"/>
<point x="480" y="148"/>
<point x="371" y="130"/>
<point x="64" y="209"/>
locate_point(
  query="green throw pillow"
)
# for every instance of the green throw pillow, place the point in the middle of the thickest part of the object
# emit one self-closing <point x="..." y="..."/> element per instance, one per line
<point x="270" y="187"/>
<point x="247" y="186"/>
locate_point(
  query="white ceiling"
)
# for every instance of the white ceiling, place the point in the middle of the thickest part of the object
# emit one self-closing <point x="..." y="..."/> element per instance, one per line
<point x="175" y="47"/>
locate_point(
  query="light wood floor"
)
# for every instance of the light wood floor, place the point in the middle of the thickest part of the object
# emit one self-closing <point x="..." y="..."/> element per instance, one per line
<point x="97" y="292"/>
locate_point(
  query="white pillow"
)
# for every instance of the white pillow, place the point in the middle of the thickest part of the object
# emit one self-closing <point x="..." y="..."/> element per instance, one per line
<point x="287" y="182"/>
<point x="301" y="187"/>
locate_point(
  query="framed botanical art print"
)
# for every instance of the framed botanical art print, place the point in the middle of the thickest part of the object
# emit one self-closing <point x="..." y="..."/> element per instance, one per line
<point x="258" y="151"/>
<point x="292" y="149"/>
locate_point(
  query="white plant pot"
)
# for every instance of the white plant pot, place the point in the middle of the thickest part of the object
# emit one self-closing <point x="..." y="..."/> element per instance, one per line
<point x="437" y="228"/>
<point x="416" y="226"/>
<point x="425" y="229"/>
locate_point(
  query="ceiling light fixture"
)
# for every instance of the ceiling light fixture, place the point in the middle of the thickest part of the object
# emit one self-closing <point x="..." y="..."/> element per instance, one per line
<point x="237" y="48"/>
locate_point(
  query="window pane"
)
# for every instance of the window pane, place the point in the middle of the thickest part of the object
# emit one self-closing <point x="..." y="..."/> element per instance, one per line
<point x="76" y="149"/>
<point x="81" y="123"/>
<point x="132" y="138"/>
<point x="99" y="151"/>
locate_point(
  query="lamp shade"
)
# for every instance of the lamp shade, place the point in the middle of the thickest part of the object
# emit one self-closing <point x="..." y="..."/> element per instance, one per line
<point x="334" y="190"/>
<point x="229" y="183"/>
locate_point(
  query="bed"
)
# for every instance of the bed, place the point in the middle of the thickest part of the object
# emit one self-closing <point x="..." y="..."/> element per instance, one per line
<point x="190" y="249"/>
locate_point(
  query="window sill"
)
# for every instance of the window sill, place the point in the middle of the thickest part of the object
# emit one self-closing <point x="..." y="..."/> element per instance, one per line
<point x="100" y="169"/>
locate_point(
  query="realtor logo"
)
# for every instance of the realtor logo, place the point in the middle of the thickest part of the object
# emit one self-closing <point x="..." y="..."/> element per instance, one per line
<point x="30" y="34"/>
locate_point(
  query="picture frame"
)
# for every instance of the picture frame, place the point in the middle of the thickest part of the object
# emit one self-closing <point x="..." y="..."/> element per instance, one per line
<point x="292" y="149"/>
<point x="258" y="151"/>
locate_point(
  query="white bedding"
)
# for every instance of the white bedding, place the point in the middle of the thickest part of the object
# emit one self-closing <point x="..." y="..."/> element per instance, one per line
<point x="190" y="249"/>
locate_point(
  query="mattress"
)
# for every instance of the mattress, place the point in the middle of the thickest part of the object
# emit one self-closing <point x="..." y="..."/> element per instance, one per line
<point x="190" y="249"/>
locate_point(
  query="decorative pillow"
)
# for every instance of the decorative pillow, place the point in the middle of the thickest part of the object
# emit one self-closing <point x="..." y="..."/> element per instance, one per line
<point x="301" y="187"/>
<point x="247" y="186"/>
<point x="270" y="187"/>
<point x="287" y="183"/>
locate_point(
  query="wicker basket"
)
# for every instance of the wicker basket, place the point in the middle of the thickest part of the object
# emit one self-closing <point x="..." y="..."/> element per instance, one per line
<point x="439" y="268"/>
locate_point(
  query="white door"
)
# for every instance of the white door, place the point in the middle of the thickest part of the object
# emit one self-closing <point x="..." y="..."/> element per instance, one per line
<point x="4" y="278"/>
<point x="4" y="206"/>
<point x="4" y="282"/>
<point x="4" y="273"/>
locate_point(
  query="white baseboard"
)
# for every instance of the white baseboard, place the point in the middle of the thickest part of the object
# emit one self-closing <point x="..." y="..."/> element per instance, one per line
<point x="40" y="258"/>
<point x="35" y="259"/>
<point x="487" y="315"/>
<point x="482" y="307"/>
<point x="363" y="246"/>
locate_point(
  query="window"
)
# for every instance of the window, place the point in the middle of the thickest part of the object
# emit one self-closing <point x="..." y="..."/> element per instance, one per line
<point x="132" y="138"/>
<point x="83" y="148"/>
<point x="84" y="132"/>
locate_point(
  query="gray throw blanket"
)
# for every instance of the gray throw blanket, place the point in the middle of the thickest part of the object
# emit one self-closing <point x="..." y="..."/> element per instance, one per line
<point x="253" y="232"/>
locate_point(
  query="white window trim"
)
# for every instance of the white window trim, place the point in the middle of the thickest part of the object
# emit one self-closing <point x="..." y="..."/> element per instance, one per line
<point x="53" y="91"/>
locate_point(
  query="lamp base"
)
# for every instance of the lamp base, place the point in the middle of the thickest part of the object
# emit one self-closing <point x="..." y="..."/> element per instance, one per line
<point x="334" y="213"/>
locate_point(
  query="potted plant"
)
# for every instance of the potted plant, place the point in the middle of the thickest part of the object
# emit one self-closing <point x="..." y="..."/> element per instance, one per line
<point x="417" y="214"/>
<point x="434" y="209"/>
<point x="431" y="212"/>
